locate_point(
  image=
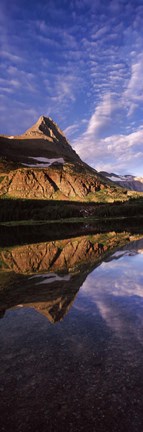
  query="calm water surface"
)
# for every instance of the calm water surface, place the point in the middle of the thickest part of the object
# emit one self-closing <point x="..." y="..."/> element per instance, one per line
<point x="83" y="372"/>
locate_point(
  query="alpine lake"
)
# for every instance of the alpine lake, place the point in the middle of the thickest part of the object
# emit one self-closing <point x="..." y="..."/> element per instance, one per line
<point x="71" y="328"/>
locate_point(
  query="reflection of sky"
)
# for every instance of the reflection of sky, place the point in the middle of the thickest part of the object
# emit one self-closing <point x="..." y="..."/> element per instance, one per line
<point x="116" y="288"/>
<point x="122" y="277"/>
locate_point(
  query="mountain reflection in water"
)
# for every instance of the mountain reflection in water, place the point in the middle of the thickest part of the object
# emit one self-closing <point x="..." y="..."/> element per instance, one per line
<point x="24" y="270"/>
<point x="85" y="372"/>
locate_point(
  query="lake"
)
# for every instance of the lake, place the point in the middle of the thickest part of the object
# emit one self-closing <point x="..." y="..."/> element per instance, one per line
<point x="71" y="334"/>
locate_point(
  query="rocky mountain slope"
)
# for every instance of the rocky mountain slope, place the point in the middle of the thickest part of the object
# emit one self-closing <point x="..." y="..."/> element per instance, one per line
<point x="129" y="182"/>
<point x="41" y="164"/>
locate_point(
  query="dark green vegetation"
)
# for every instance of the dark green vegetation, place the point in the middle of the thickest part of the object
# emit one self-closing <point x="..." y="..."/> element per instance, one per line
<point x="42" y="210"/>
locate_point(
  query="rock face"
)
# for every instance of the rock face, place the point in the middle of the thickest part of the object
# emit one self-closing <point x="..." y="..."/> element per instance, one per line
<point x="41" y="164"/>
<point x="127" y="181"/>
<point x="49" y="183"/>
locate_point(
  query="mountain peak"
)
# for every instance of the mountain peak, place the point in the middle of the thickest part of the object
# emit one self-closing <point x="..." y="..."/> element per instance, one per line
<point x="45" y="121"/>
<point x="47" y="127"/>
<point x="43" y="140"/>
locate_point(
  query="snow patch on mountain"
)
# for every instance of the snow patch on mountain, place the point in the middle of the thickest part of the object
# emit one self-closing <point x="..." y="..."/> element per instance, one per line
<point x="122" y="178"/>
<point x="127" y="181"/>
<point x="43" y="162"/>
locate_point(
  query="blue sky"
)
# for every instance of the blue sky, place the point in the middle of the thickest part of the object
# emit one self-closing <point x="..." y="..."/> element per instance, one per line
<point x="81" y="63"/>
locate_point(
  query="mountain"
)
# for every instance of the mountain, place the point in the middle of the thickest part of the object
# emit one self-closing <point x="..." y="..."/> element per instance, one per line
<point x="41" y="164"/>
<point x="40" y="144"/>
<point x="126" y="181"/>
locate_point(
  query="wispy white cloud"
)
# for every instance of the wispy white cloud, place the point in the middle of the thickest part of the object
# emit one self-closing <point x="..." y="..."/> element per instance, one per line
<point x="20" y="117"/>
<point x="10" y="56"/>
<point x="112" y="151"/>
<point x="102" y="116"/>
<point x="98" y="123"/>
<point x="102" y="31"/>
<point x="133" y="93"/>
<point x="63" y="90"/>
<point x="17" y="79"/>
<point x="70" y="130"/>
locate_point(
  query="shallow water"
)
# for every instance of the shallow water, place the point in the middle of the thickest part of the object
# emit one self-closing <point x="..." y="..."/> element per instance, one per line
<point x="72" y="344"/>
